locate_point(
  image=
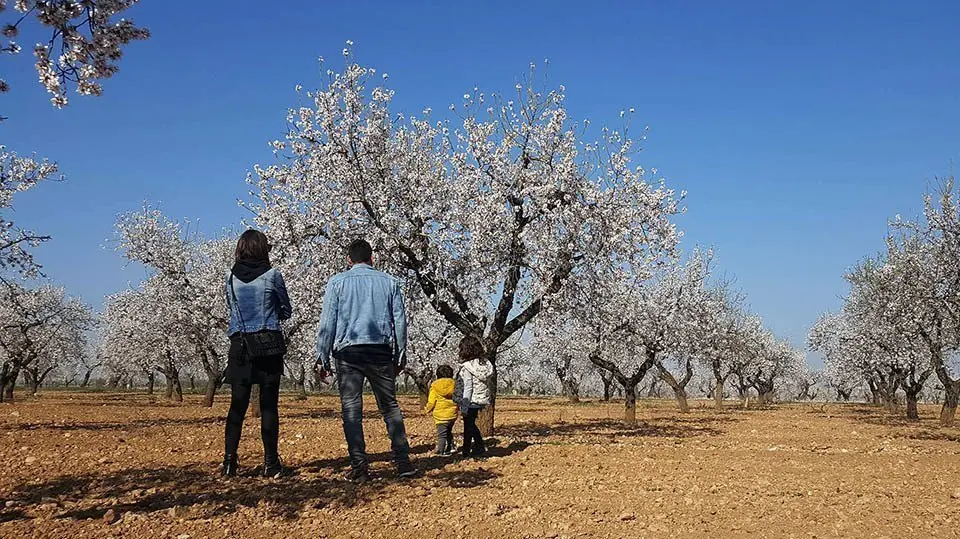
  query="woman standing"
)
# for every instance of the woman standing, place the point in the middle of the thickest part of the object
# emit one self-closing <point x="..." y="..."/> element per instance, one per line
<point x="258" y="301"/>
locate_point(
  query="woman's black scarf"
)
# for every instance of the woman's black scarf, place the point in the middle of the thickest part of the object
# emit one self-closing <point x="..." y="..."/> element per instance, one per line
<point x="247" y="270"/>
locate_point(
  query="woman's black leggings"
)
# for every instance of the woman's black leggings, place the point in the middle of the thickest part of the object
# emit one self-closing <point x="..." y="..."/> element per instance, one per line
<point x="269" y="417"/>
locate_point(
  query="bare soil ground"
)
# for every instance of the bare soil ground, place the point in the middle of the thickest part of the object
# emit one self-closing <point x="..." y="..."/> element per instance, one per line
<point x="121" y="465"/>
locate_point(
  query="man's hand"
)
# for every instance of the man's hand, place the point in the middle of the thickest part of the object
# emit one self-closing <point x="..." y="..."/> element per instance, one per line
<point x="322" y="372"/>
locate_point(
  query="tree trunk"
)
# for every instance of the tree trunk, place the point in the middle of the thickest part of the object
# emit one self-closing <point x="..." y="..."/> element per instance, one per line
<point x="86" y="378"/>
<point x="487" y="415"/>
<point x="193" y="383"/>
<point x="875" y="395"/>
<point x="174" y="389"/>
<point x="681" y="395"/>
<point x="4" y="373"/>
<point x="422" y="397"/>
<point x="912" y="412"/>
<point x="679" y="387"/>
<point x="571" y="389"/>
<point x="10" y="382"/>
<point x="630" y="405"/>
<point x="301" y="385"/>
<point x="653" y="391"/>
<point x="151" y="382"/>
<point x="177" y="387"/>
<point x="951" y="396"/>
<point x="31" y="379"/>
<point x="214" y="381"/>
<point x="607" y="384"/>
<point x="718" y="393"/>
<point x="254" y="407"/>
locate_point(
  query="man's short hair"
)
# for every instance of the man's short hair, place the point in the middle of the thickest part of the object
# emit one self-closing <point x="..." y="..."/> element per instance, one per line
<point x="360" y="251"/>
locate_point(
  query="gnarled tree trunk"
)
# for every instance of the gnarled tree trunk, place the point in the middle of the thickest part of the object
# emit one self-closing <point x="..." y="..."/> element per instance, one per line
<point x="486" y="416"/>
<point x="627" y="383"/>
<point x="630" y="405"/>
<point x="912" y="386"/>
<point x="951" y="396"/>
<point x="679" y="387"/>
<point x="174" y="389"/>
<point x="210" y="389"/>
<point x="606" y="377"/>
<point x="720" y="379"/>
<point x="8" y="382"/>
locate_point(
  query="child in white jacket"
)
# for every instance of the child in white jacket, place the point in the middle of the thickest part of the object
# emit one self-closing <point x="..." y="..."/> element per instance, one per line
<point x="474" y="376"/>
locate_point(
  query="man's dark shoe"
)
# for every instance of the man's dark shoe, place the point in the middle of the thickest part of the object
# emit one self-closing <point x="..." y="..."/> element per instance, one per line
<point x="229" y="467"/>
<point x="357" y="476"/>
<point x="406" y="470"/>
<point x="273" y="467"/>
<point x="478" y="454"/>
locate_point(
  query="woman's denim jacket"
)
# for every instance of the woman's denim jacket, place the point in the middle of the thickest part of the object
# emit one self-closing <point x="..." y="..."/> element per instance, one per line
<point x="263" y="303"/>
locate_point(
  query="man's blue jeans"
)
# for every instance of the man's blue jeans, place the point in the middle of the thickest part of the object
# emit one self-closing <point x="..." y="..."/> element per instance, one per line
<point x="374" y="363"/>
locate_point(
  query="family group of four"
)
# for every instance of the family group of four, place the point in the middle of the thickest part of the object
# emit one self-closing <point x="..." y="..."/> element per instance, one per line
<point x="363" y="329"/>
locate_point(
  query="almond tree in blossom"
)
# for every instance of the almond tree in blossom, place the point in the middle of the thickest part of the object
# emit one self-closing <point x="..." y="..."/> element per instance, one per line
<point x="36" y="323"/>
<point x="491" y="215"/>
<point x="188" y="275"/>
<point x="18" y="174"/>
<point x="85" y="43"/>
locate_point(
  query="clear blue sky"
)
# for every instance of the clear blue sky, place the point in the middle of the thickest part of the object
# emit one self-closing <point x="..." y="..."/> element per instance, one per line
<point x="797" y="128"/>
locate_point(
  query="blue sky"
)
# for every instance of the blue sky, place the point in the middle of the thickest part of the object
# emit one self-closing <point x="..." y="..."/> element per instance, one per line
<point x="796" y="129"/>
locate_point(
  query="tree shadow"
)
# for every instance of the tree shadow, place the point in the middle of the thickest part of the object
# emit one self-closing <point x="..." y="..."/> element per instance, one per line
<point x="929" y="435"/>
<point x="609" y="429"/>
<point x="465" y="479"/>
<point x="423" y="456"/>
<point x="871" y="414"/>
<point x="7" y="515"/>
<point x="189" y="489"/>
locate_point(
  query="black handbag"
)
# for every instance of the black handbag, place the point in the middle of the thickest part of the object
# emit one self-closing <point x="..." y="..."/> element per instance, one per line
<point x="258" y="343"/>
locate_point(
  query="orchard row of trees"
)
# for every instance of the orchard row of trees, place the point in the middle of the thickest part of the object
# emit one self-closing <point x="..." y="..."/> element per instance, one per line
<point x="505" y="220"/>
<point x="506" y="223"/>
<point x="899" y="328"/>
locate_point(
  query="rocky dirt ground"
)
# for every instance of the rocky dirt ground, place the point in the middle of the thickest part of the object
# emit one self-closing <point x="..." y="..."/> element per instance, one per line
<point x="120" y="465"/>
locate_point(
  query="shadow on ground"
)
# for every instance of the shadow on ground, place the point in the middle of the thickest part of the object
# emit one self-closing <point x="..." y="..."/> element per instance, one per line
<point x="607" y="430"/>
<point x="423" y="456"/>
<point x="195" y="491"/>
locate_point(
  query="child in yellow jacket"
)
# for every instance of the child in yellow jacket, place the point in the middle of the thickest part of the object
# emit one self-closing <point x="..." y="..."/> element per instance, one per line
<point x="444" y="409"/>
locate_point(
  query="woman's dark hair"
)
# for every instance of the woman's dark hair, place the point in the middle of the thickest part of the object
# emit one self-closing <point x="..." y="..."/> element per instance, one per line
<point x="470" y="348"/>
<point x="444" y="371"/>
<point x="253" y="245"/>
<point x="360" y="252"/>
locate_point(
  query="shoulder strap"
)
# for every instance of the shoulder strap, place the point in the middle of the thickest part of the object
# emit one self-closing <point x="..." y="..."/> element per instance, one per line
<point x="236" y="304"/>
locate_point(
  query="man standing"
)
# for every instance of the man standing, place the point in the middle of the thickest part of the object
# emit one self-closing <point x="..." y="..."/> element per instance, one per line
<point x="364" y="327"/>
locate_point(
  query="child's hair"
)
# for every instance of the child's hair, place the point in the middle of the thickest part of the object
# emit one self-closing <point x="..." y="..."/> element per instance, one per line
<point x="470" y="348"/>
<point x="444" y="371"/>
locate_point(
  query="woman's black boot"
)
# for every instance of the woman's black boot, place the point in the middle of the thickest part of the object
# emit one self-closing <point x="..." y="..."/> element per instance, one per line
<point x="230" y="465"/>
<point x="273" y="467"/>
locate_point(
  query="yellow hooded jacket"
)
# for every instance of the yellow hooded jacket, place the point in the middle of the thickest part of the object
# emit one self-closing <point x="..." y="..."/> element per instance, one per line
<point x="440" y="401"/>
